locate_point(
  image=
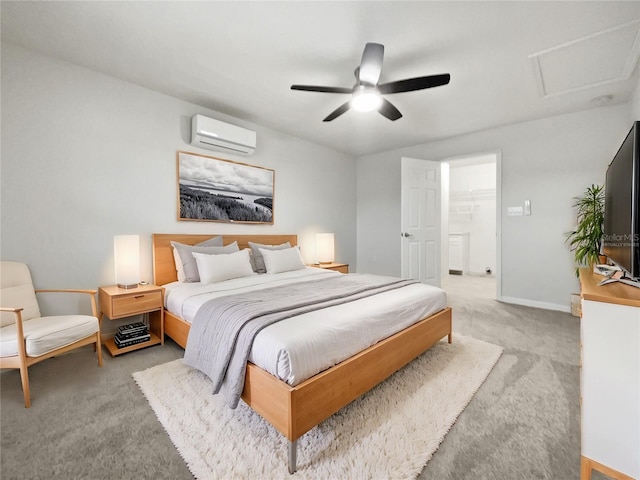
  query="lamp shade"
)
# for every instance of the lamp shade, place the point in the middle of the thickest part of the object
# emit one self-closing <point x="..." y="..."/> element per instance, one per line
<point x="126" y="254"/>
<point x="325" y="247"/>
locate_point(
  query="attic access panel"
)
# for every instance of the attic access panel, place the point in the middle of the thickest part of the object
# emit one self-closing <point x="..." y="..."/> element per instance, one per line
<point x="604" y="57"/>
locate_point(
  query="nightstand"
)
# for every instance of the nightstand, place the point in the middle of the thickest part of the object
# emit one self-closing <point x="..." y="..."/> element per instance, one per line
<point x="116" y="303"/>
<point x="338" y="267"/>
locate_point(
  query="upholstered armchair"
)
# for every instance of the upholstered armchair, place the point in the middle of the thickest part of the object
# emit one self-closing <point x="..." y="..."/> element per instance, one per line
<point x="26" y="337"/>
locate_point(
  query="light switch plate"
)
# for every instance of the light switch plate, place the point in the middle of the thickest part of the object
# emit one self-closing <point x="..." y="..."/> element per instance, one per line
<point x="514" y="211"/>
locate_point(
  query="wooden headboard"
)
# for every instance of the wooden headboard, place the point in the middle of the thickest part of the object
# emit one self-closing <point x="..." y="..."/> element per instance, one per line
<point x="164" y="268"/>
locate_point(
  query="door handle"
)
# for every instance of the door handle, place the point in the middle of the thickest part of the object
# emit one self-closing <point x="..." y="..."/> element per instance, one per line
<point x="405" y="234"/>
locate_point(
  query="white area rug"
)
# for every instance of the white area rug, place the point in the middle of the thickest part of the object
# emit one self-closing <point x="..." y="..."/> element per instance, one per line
<point x="390" y="432"/>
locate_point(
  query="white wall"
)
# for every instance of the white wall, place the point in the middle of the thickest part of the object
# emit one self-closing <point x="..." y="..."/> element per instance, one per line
<point x="547" y="161"/>
<point x="379" y="222"/>
<point x="86" y="156"/>
<point x="635" y="103"/>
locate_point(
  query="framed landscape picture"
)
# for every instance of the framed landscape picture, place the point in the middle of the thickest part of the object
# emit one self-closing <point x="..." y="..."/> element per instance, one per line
<point x="211" y="189"/>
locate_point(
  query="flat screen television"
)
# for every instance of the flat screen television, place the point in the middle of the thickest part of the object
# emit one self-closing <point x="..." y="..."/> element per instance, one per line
<point x="622" y="207"/>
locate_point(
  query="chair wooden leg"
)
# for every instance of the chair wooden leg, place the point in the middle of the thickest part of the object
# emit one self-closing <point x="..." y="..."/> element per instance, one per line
<point x="98" y="347"/>
<point x="24" y="376"/>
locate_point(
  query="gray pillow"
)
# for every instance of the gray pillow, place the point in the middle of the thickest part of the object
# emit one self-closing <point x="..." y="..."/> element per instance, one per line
<point x="258" y="261"/>
<point x="209" y="242"/>
<point x="185" y="262"/>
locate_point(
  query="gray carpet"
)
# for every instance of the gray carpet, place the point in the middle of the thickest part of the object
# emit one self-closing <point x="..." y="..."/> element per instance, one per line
<point x="524" y="423"/>
<point x="91" y="423"/>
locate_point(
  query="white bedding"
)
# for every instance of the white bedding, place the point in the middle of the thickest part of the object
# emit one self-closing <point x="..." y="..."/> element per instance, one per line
<point x="299" y="347"/>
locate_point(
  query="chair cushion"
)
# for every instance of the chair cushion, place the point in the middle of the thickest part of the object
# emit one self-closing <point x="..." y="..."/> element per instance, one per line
<point x="45" y="334"/>
<point x="17" y="291"/>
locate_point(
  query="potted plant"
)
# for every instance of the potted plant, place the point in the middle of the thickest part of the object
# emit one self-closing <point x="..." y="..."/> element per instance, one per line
<point x="586" y="239"/>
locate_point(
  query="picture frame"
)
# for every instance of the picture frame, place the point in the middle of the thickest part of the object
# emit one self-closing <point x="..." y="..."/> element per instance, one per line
<point x="212" y="189"/>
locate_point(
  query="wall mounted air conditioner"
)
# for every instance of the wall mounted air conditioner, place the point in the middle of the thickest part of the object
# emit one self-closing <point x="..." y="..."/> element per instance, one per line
<point x="216" y="135"/>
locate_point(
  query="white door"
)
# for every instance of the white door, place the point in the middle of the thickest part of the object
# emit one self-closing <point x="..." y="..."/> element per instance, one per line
<point x="421" y="259"/>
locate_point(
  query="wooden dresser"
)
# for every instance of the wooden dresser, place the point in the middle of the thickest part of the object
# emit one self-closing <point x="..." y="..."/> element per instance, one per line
<point x="610" y="378"/>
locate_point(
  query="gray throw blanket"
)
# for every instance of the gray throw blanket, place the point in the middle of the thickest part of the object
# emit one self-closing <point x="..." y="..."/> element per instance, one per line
<point x="223" y="329"/>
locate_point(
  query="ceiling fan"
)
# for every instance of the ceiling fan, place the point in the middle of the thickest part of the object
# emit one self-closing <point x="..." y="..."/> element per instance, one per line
<point x="366" y="94"/>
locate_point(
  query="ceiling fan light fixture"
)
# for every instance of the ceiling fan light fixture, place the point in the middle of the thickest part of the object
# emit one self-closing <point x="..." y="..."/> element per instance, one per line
<point x="366" y="100"/>
<point x="367" y="93"/>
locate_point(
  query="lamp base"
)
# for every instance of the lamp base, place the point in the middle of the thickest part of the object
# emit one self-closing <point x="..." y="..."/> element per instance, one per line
<point x="325" y="263"/>
<point x="127" y="286"/>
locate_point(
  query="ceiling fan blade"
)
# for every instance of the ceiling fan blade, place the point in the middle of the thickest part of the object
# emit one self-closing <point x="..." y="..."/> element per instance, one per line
<point x="313" y="88"/>
<point x="411" y="84"/>
<point x="388" y="110"/>
<point x="337" y="112"/>
<point x="371" y="64"/>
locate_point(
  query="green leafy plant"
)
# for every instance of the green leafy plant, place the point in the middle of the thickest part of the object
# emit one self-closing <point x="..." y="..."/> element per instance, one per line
<point x="586" y="239"/>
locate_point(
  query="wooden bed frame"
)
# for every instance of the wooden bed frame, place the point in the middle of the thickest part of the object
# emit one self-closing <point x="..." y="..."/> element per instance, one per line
<point x="293" y="411"/>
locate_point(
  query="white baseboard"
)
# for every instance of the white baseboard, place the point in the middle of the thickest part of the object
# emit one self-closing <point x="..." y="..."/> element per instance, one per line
<point x="535" y="304"/>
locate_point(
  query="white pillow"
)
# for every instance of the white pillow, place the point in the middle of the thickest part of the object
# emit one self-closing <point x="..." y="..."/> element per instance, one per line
<point x="285" y="260"/>
<point x="186" y="265"/>
<point x="258" y="263"/>
<point x="217" y="268"/>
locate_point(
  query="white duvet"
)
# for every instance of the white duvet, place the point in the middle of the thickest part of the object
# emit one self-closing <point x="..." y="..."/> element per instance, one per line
<point x="299" y="347"/>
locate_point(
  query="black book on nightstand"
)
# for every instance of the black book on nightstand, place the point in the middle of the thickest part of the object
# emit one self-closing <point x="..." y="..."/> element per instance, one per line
<point x="121" y="343"/>
<point x="131" y="334"/>
<point x="132" y="327"/>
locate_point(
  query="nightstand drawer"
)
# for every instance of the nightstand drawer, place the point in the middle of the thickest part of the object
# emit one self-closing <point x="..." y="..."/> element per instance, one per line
<point x="132" y="304"/>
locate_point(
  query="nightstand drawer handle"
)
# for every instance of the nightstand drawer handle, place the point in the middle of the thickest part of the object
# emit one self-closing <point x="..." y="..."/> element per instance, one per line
<point x="139" y="296"/>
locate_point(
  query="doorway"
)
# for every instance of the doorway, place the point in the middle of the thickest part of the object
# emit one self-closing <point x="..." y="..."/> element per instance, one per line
<point x="470" y="224"/>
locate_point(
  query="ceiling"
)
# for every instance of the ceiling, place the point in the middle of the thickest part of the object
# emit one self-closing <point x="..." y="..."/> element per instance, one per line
<point x="509" y="61"/>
